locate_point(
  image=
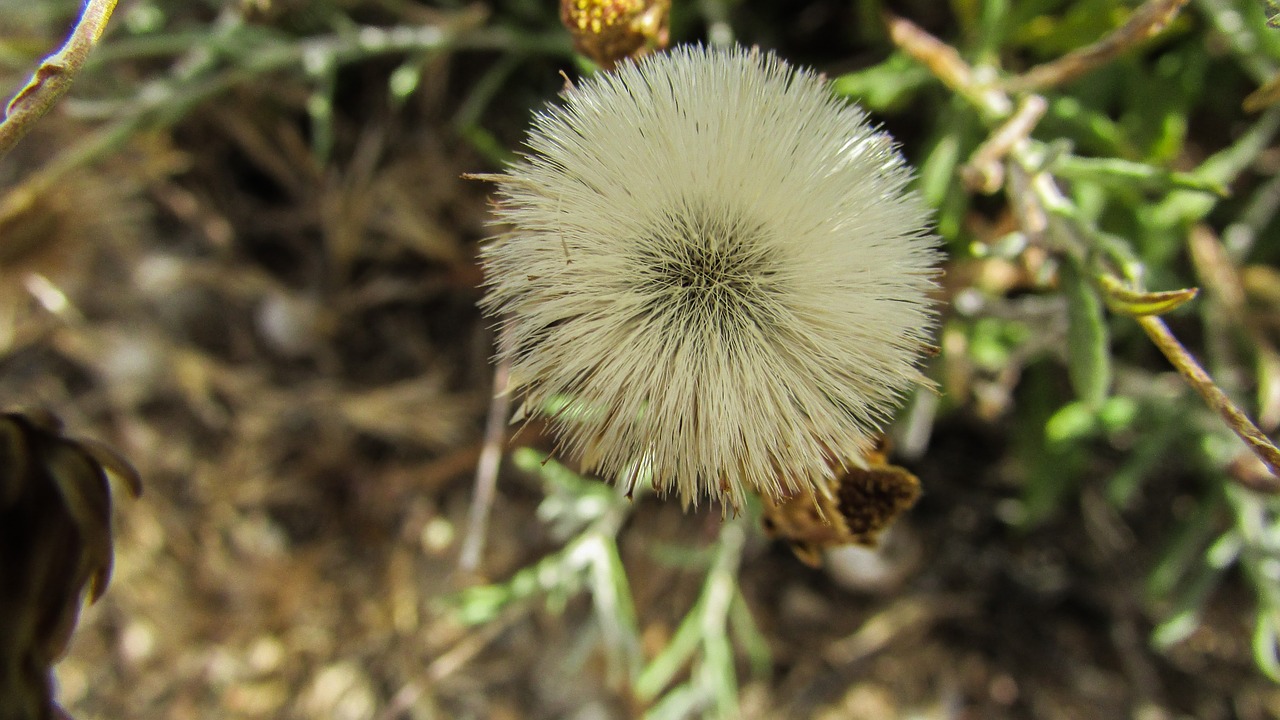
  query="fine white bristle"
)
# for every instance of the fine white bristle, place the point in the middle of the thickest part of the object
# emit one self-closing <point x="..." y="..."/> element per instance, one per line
<point x="714" y="270"/>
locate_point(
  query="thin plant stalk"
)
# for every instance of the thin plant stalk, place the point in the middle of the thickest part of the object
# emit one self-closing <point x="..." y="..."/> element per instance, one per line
<point x="54" y="76"/>
<point x="1231" y="414"/>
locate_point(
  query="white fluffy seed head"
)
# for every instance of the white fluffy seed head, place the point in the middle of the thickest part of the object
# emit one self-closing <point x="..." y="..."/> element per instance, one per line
<point x="713" y="275"/>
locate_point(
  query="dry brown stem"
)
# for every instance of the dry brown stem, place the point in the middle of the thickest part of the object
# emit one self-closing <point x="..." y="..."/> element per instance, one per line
<point x="1218" y="272"/>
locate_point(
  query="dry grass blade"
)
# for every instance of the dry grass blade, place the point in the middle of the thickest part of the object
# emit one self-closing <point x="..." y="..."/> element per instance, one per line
<point x="946" y="64"/>
<point x="984" y="171"/>
<point x="487" y="470"/>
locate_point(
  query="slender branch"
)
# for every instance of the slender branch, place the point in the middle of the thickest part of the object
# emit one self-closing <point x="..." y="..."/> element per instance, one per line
<point x="1217" y="400"/>
<point x="1145" y="22"/>
<point x="52" y="79"/>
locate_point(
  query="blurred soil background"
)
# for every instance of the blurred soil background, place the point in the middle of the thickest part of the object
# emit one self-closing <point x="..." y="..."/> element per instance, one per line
<point x="259" y="281"/>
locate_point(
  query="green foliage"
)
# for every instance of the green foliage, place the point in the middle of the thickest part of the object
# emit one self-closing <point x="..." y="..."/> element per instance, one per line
<point x="884" y="87"/>
<point x="1103" y="185"/>
<point x="696" y="673"/>
<point x="1088" y="346"/>
<point x="587" y="515"/>
<point x="704" y="644"/>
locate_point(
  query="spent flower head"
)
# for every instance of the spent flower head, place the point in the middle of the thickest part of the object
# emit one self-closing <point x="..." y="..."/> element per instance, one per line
<point x="714" y="275"/>
<point x="609" y="30"/>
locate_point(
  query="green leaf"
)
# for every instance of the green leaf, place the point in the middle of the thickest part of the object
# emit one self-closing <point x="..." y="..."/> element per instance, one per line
<point x="1193" y="535"/>
<point x="748" y="634"/>
<point x="1141" y="304"/>
<point x="1072" y="422"/>
<point x="1119" y="173"/>
<point x="679" y="651"/>
<point x="1188" y="606"/>
<point x="1052" y="470"/>
<point x="1091" y="130"/>
<point x="717" y="673"/>
<point x="682" y="702"/>
<point x="1264" y="646"/>
<point x="1088" y="348"/>
<point x="885" y="85"/>
<point x="1152" y="447"/>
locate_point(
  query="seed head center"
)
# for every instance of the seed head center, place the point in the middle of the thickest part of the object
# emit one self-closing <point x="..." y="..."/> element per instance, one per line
<point x="703" y="260"/>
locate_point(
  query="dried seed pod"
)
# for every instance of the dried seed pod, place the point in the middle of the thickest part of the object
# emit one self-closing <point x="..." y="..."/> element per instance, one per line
<point x="608" y="31"/>
<point x="55" y="543"/>
<point x="856" y="508"/>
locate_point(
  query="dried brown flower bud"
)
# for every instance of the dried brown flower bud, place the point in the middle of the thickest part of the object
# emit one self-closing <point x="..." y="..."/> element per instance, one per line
<point x="855" y="509"/>
<point x="55" y="543"/>
<point x="608" y="31"/>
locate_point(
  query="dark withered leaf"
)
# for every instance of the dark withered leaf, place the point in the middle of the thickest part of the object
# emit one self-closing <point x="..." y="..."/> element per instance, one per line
<point x="872" y="498"/>
<point x="55" y="546"/>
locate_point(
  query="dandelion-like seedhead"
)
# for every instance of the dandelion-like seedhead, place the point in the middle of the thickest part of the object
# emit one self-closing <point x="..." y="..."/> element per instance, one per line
<point x="714" y="275"/>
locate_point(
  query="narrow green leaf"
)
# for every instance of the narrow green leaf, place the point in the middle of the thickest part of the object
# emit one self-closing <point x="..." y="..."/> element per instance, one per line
<point x="718" y="674"/>
<point x="885" y="85"/>
<point x="615" y="611"/>
<point x="682" y="702"/>
<point x="1188" y="607"/>
<point x="939" y="169"/>
<point x="658" y="673"/>
<point x="1185" y="551"/>
<point x="1152" y="447"/>
<point x="1141" y="304"/>
<point x="1264" y="646"/>
<point x="1088" y="347"/>
<point x="1115" y="172"/>
<point x="748" y="634"/>
<point x="1072" y="423"/>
